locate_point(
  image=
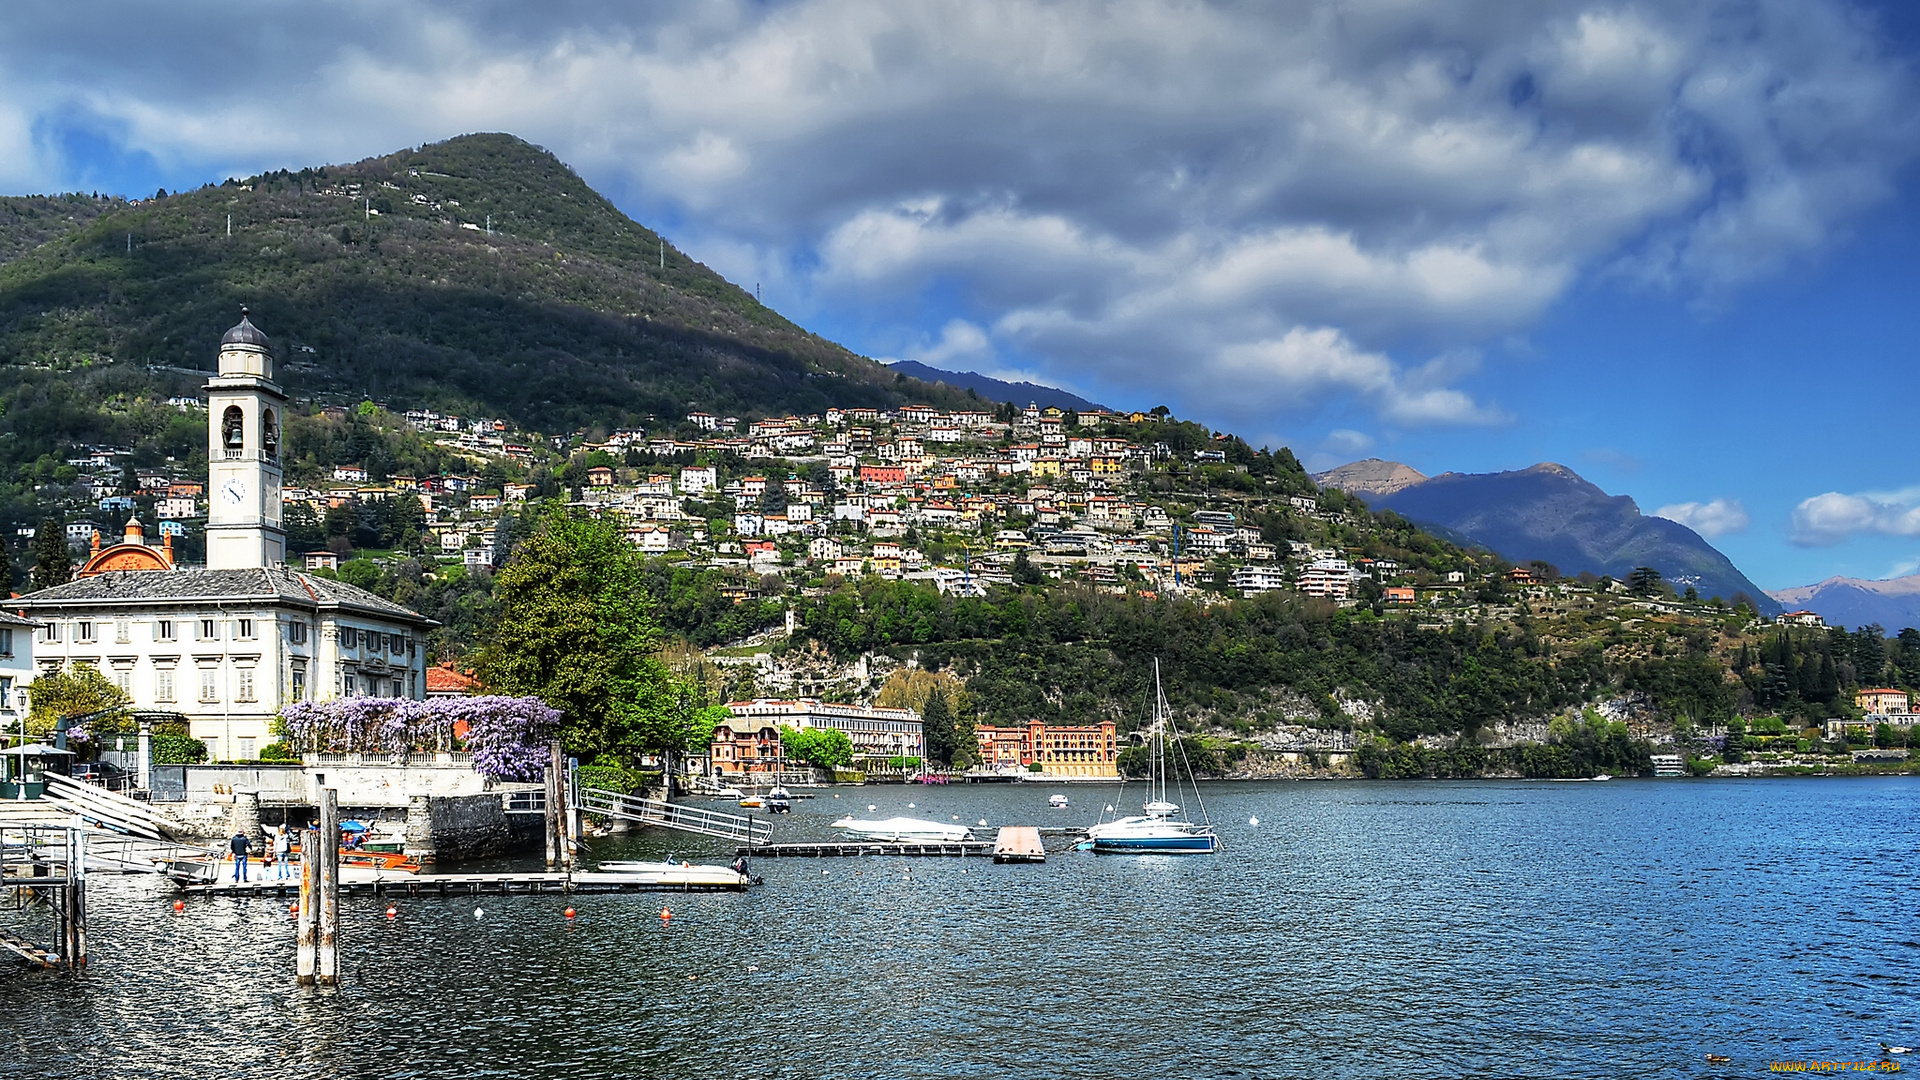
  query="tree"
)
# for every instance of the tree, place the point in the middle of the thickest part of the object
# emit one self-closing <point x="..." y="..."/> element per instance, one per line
<point x="1024" y="572"/>
<point x="575" y="629"/>
<point x="936" y="722"/>
<point x="77" y="691"/>
<point x="52" y="562"/>
<point x="6" y="568"/>
<point x="826" y="747"/>
<point x="1644" y="581"/>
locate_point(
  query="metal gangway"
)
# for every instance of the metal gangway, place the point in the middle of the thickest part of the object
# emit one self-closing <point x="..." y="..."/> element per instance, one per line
<point x="107" y="810"/>
<point x="744" y="829"/>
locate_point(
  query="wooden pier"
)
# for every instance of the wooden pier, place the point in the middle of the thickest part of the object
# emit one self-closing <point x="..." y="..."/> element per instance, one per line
<point x="843" y="849"/>
<point x="1018" y="844"/>
<point x="470" y="885"/>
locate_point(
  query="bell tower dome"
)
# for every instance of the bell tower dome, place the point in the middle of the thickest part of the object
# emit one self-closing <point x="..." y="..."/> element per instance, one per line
<point x="245" y="408"/>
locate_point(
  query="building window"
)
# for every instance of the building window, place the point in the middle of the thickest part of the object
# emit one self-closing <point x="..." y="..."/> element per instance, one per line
<point x="243" y="685"/>
<point x="297" y="633"/>
<point x="299" y="683"/>
<point x="246" y="629"/>
<point x="123" y="678"/>
<point x="246" y="749"/>
<point x="209" y="684"/>
<point x="50" y="632"/>
<point x="122" y="631"/>
<point x="163" y="684"/>
<point x="83" y="631"/>
<point x="6" y="643"/>
<point x="163" y="630"/>
<point x="399" y="688"/>
<point x="208" y="631"/>
<point x="349" y="638"/>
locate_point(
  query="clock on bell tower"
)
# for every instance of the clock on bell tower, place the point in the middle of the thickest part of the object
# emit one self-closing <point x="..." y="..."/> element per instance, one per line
<point x="244" y="411"/>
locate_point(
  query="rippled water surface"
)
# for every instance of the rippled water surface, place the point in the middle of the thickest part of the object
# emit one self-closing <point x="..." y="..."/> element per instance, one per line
<point x="1392" y="929"/>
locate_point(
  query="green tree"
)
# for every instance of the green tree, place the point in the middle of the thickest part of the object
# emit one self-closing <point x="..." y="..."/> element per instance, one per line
<point x="1644" y="581"/>
<point x="1024" y="572"/>
<point x="52" y="562"/>
<point x="575" y="629"/>
<point x="77" y="691"/>
<point x="826" y="747"/>
<point x="937" y="725"/>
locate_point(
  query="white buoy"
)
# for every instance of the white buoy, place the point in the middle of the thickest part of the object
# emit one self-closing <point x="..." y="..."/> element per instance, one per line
<point x="910" y="806"/>
<point x="752" y="968"/>
<point x="983" y="821"/>
<point x="477" y="912"/>
<point x="871" y="808"/>
<point x="1109" y="808"/>
<point x="1253" y="821"/>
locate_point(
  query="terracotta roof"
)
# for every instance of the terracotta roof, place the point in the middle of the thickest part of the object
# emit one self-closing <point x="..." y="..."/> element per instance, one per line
<point x="442" y="679"/>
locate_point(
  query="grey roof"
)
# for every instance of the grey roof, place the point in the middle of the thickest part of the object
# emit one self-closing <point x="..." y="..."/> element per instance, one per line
<point x="275" y="585"/>
<point x="10" y="619"/>
<point x="245" y="333"/>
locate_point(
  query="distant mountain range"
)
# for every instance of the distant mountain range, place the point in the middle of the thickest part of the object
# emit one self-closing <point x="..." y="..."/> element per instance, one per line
<point x="1549" y="512"/>
<point x="1844" y="601"/>
<point x="1018" y="393"/>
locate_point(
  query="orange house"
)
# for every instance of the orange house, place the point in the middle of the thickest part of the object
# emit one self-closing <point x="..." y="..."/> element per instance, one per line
<point x="1059" y="750"/>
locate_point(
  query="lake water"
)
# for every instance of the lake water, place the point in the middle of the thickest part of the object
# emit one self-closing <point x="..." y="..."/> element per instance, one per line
<point x="1360" y="929"/>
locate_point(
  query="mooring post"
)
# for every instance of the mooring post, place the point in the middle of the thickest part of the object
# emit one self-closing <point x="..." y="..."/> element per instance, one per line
<point x="327" y="959"/>
<point x="77" y="886"/>
<point x="305" y="917"/>
<point x="553" y="808"/>
<point x="564" y="819"/>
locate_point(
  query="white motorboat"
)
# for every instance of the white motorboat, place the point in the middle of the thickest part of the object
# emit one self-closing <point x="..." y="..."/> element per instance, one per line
<point x="1158" y="829"/>
<point x="670" y="874"/>
<point x="905" y="830"/>
<point x="1057" y="802"/>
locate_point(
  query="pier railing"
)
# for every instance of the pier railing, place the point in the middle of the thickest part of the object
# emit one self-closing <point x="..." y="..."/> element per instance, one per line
<point x="694" y="819"/>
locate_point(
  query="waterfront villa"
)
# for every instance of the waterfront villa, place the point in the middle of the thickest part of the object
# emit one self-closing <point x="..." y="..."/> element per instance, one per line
<point x="877" y="733"/>
<point x="1078" y="752"/>
<point x="228" y="644"/>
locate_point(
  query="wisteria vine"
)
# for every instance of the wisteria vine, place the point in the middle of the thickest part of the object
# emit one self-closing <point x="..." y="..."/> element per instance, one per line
<point x="509" y="736"/>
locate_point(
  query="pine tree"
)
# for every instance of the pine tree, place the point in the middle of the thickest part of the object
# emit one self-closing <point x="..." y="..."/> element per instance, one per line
<point x="6" y="570"/>
<point x="52" y="563"/>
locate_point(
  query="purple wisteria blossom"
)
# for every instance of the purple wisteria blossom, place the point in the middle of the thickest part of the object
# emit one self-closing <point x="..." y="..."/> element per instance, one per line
<point x="509" y="736"/>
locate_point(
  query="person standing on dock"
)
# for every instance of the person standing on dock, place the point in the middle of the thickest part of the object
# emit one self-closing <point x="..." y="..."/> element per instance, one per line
<point x="239" y="846"/>
<point x="282" y="848"/>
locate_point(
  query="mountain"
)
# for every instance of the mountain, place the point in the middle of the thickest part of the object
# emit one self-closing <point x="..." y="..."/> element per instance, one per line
<point x="1370" y="478"/>
<point x="478" y="275"/>
<point x="1017" y="393"/>
<point x="1550" y="512"/>
<point x="1844" y="601"/>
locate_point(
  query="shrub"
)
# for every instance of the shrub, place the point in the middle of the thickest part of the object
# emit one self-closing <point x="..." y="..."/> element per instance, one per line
<point x="178" y="750"/>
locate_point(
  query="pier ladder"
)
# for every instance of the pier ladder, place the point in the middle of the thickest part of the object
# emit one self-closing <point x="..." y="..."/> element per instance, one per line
<point x="694" y="819"/>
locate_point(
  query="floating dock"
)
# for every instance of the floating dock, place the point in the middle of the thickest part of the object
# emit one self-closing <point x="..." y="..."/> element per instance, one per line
<point x="844" y="849"/>
<point x="1018" y="844"/>
<point x="476" y="885"/>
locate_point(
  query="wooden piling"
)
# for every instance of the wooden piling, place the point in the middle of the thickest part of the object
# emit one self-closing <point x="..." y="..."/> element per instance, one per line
<point x="305" y="919"/>
<point x="327" y="957"/>
<point x="564" y="819"/>
<point x="553" y="809"/>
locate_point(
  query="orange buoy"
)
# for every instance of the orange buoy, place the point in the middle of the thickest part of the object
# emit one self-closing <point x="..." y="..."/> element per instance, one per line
<point x="568" y="913"/>
<point x="293" y="908"/>
<point x="179" y="905"/>
<point x="392" y="912"/>
<point x="666" y="914"/>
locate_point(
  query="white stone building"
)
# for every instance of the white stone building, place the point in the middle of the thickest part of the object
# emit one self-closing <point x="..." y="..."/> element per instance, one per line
<point x="226" y="646"/>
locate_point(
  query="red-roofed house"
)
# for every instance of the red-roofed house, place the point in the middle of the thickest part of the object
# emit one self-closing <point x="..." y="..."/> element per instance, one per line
<point x="443" y="681"/>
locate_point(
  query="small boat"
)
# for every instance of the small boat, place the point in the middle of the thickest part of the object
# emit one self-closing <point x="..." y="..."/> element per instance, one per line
<point x="753" y="802"/>
<point x="778" y="801"/>
<point x="1157" y="830"/>
<point x="729" y="792"/>
<point x="905" y="830"/>
<point x="1057" y="802"/>
<point x="671" y="874"/>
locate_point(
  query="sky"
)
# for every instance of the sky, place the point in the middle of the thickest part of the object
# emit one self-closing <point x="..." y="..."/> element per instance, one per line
<point x="1669" y="245"/>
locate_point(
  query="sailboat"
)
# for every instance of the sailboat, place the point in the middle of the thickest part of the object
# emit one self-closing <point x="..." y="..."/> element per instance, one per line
<point x="1159" y="828"/>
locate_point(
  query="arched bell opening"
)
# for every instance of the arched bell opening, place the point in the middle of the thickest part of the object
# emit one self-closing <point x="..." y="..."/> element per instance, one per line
<point x="233" y="430"/>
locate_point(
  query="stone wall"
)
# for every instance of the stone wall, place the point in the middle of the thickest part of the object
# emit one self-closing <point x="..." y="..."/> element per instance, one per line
<point x="452" y="828"/>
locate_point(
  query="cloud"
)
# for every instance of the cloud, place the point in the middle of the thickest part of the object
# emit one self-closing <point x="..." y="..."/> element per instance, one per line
<point x="1268" y="209"/>
<point x="1709" y="519"/>
<point x="1825" y="520"/>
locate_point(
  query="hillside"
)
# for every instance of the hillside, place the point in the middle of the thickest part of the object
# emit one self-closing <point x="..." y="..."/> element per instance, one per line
<point x="27" y="221"/>
<point x="1013" y="393"/>
<point x="1549" y="512"/>
<point x="477" y="275"/>
<point x="1892" y="603"/>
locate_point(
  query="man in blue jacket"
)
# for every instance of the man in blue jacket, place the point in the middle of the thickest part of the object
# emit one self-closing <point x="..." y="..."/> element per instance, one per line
<point x="239" y="845"/>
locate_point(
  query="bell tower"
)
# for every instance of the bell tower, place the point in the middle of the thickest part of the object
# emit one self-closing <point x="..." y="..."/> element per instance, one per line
<point x="244" y="412"/>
